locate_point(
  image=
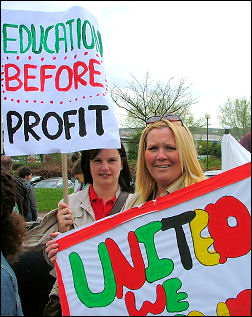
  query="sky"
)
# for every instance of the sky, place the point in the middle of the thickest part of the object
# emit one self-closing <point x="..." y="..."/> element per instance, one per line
<point x="207" y="43"/>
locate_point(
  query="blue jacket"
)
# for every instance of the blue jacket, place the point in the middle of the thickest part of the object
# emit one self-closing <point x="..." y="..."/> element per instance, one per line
<point x="10" y="301"/>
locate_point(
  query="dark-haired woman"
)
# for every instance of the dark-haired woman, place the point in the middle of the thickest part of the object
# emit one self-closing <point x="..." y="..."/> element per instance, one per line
<point x="12" y="234"/>
<point x="107" y="190"/>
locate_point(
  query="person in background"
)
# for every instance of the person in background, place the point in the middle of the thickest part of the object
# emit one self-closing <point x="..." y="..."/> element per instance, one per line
<point x="167" y="160"/>
<point x="75" y="156"/>
<point x="22" y="204"/>
<point x="78" y="175"/>
<point x="25" y="175"/>
<point x="12" y="234"/>
<point x="245" y="141"/>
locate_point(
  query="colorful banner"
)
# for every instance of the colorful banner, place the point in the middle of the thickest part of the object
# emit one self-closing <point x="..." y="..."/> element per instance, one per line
<point x="55" y="95"/>
<point x="187" y="253"/>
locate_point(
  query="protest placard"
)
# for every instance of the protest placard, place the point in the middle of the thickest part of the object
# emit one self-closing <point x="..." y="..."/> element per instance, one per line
<point x="55" y="95"/>
<point x="187" y="253"/>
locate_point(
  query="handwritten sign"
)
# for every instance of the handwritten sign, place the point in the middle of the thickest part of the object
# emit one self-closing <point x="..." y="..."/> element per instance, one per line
<point x="187" y="253"/>
<point x="55" y="95"/>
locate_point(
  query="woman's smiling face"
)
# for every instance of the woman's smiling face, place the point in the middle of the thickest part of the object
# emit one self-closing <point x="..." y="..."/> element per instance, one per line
<point x="162" y="157"/>
<point x="106" y="167"/>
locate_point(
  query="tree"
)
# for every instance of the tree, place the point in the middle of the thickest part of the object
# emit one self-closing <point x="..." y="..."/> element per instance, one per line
<point x="133" y="146"/>
<point x="236" y="113"/>
<point x="142" y="100"/>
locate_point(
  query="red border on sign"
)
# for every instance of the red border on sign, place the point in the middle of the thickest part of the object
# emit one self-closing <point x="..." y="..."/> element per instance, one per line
<point x="223" y="179"/>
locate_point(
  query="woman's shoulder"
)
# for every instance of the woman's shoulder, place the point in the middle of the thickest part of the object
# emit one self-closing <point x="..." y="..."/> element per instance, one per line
<point x="132" y="201"/>
<point x="7" y="272"/>
<point x="80" y="194"/>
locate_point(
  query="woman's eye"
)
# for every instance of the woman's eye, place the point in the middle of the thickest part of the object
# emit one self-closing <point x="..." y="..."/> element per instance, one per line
<point x="97" y="161"/>
<point x="152" y="148"/>
<point x="170" y="148"/>
<point x="112" y="160"/>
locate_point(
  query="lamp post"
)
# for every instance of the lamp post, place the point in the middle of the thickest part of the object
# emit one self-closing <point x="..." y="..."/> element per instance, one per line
<point x="207" y="116"/>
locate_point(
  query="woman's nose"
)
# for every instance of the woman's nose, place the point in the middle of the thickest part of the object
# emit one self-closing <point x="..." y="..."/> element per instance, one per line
<point x="104" y="166"/>
<point x="161" y="155"/>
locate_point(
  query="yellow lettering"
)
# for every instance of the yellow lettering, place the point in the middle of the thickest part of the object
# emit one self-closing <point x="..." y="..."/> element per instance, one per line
<point x="201" y="245"/>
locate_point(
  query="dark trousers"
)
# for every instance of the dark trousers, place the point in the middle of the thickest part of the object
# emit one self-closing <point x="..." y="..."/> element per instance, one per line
<point x="34" y="282"/>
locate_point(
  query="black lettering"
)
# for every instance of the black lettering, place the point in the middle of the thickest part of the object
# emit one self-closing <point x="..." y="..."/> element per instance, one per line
<point x="11" y="129"/>
<point x="28" y="127"/>
<point x="98" y="108"/>
<point x="176" y="222"/>
<point x="67" y="124"/>
<point x="82" y="123"/>
<point x="44" y="125"/>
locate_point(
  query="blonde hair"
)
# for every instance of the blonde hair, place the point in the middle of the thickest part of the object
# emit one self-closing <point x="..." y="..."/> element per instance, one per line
<point x="192" y="171"/>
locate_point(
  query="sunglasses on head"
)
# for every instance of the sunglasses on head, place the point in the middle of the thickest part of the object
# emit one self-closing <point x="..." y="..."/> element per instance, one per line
<point x="159" y="118"/>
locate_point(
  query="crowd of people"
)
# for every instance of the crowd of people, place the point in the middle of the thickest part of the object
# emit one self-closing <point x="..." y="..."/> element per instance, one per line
<point x="167" y="161"/>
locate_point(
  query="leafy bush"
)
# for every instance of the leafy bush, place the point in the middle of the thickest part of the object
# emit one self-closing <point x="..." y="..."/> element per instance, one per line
<point x="133" y="146"/>
<point x="47" y="171"/>
<point x="48" y="198"/>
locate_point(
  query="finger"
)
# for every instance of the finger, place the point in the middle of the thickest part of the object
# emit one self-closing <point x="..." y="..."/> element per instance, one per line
<point x="67" y="217"/>
<point x="52" y="253"/>
<point x="54" y="234"/>
<point x="51" y="247"/>
<point x="68" y="222"/>
<point x="49" y="243"/>
<point x="65" y="211"/>
<point x="53" y="259"/>
<point x="62" y="205"/>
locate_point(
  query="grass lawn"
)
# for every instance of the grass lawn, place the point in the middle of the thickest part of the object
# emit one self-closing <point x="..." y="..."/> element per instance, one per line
<point x="48" y="198"/>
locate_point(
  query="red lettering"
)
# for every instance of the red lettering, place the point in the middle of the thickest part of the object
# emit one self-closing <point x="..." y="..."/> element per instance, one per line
<point x="147" y="307"/>
<point x="13" y="77"/>
<point x="70" y="78"/>
<point x="241" y="305"/>
<point x="93" y="72"/>
<point x="43" y="75"/>
<point x="125" y="274"/>
<point x="229" y="241"/>
<point x="78" y="77"/>
<point x="27" y="76"/>
<point x="65" y="75"/>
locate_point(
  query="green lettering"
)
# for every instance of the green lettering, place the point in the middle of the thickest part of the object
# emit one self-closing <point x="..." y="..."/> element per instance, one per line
<point x="33" y="30"/>
<point x="157" y="268"/>
<point x="5" y="38"/>
<point x="173" y="298"/>
<point x="100" y="43"/>
<point x="45" y="39"/>
<point x="58" y="38"/>
<point x="22" y="28"/>
<point x="79" y="32"/>
<point x="71" y="32"/>
<point x="88" y="298"/>
<point x="84" y="35"/>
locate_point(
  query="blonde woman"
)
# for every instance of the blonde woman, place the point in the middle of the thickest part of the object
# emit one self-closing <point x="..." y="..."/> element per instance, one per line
<point x="167" y="160"/>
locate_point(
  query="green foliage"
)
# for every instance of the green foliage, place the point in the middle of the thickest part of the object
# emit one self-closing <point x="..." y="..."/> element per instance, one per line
<point x="236" y="113"/>
<point x="214" y="163"/>
<point x="202" y="147"/>
<point x="143" y="99"/>
<point x="133" y="146"/>
<point x="48" y="198"/>
<point x="214" y="148"/>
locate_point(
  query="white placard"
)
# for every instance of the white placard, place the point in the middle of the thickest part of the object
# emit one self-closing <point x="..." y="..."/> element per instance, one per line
<point x="55" y="95"/>
<point x="187" y="253"/>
